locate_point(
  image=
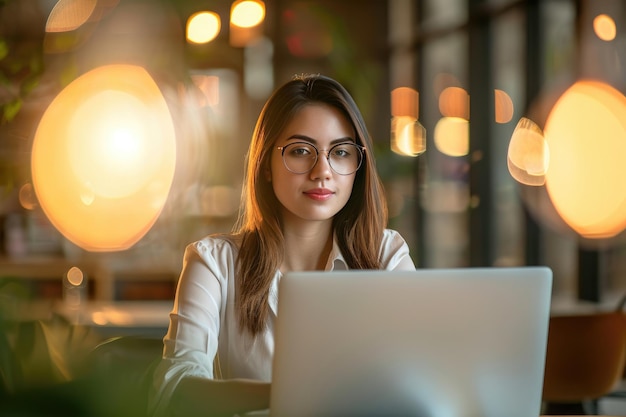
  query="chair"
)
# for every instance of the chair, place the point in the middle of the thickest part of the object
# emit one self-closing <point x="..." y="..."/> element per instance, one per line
<point x="585" y="360"/>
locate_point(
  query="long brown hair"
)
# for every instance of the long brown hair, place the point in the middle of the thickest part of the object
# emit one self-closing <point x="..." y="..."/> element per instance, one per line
<point x="358" y="227"/>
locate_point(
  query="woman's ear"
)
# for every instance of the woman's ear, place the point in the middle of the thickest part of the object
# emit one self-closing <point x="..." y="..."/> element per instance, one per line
<point x="267" y="172"/>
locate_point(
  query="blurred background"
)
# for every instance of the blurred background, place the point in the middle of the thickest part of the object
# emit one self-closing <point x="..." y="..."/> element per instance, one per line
<point x="499" y="130"/>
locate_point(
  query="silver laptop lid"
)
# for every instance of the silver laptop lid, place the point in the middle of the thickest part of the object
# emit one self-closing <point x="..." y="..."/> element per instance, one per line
<point x="432" y="343"/>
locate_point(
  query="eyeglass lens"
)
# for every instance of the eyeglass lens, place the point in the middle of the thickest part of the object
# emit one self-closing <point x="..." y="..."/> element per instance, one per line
<point x="300" y="157"/>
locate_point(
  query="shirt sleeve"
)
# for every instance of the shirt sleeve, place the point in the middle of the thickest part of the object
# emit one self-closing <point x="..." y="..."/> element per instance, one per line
<point x="394" y="252"/>
<point x="192" y="338"/>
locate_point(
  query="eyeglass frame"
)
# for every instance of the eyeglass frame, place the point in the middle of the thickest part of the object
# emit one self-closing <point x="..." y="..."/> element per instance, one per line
<point x="362" y="149"/>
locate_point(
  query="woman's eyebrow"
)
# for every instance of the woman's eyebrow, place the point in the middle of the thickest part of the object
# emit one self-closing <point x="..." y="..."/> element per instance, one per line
<point x="313" y="141"/>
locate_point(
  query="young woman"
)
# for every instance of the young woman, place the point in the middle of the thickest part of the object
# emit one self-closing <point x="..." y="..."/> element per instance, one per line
<point x="312" y="200"/>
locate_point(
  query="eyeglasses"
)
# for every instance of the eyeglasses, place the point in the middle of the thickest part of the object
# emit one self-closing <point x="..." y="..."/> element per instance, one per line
<point x="344" y="158"/>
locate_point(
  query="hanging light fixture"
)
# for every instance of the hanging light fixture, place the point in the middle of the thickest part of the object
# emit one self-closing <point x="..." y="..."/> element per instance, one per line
<point x="451" y="133"/>
<point x="408" y="136"/>
<point x="528" y="154"/>
<point x="103" y="158"/>
<point x="586" y="131"/>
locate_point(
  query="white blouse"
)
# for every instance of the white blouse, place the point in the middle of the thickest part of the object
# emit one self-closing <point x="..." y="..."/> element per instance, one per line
<point x="203" y="321"/>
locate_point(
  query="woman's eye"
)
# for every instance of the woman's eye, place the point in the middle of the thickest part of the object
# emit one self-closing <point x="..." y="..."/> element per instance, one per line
<point x="341" y="152"/>
<point x="301" y="151"/>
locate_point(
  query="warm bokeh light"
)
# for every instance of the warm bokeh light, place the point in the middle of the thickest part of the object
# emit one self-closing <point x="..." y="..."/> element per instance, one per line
<point x="452" y="136"/>
<point x="604" y="27"/>
<point x="528" y="154"/>
<point x="408" y="136"/>
<point x="103" y="158"/>
<point x="203" y="27"/>
<point x="27" y="197"/>
<point x="68" y="15"/>
<point x="405" y="102"/>
<point x="247" y="13"/>
<point x="454" y="102"/>
<point x="75" y="276"/>
<point x="246" y="18"/>
<point x="504" y="106"/>
<point x="586" y="132"/>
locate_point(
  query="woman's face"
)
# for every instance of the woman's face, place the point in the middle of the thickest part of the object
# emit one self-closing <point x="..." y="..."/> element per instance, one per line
<point x="320" y="193"/>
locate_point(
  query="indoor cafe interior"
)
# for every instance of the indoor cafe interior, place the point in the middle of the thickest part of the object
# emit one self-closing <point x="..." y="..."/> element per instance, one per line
<point x="478" y="112"/>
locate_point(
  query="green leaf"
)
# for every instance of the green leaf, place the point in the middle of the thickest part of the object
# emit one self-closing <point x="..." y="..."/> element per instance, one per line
<point x="11" y="109"/>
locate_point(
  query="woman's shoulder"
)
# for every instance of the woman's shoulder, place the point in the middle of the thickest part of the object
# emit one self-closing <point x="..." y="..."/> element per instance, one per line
<point x="391" y="235"/>
<point x="393" y="249"/>
<point x="216" y="245"/>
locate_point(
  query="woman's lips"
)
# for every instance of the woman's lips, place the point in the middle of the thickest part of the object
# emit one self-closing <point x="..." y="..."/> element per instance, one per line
<point x="319" y="194"/>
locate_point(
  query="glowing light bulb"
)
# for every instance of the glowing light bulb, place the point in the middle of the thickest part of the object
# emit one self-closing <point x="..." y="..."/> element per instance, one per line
<point x="408" y="136"/>
<point x="586" y="132"/>
<point x="103" y="158"/>
<point x="203" y="27"/>
<point x="247" y="13"/>
<point x="604" y="27"/>
<point x="528" y="154"/>
<point x="452" y="136"/>
<point x="246" y="18"/>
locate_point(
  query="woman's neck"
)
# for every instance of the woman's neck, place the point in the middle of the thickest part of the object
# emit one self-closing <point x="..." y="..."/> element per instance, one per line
<point x="307" y="248"/>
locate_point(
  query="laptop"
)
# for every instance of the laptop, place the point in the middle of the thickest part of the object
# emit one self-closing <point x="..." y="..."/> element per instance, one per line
<point x="464" y="342"/>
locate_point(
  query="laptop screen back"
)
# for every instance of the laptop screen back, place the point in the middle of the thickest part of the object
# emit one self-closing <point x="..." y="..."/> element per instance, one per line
<point x="432" y="343"/>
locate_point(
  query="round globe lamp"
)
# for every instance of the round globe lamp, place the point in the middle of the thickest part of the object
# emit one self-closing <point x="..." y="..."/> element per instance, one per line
<point x="586" y="134"/>
<point x="103" y="158"/>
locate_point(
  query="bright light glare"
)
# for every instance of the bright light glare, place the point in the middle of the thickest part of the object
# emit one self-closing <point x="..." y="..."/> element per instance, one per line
<point x="604" y="27"/>
<point x="586" y="132"/>
<point x="528" y="153"/>
<point x="112" y="160"/>
<point x="203" y="27"/>
<point x="452" y="136"/>
<point x="103" y="158"/>
<point x="408" y="136"/>
<point x="247" y="13"/>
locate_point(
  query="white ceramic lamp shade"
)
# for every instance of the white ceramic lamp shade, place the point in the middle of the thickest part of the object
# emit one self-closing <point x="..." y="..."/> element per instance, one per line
<point x="104" y="157"/>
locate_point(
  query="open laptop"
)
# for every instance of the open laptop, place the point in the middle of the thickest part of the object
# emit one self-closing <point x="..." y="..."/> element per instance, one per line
<point x="430" y="343"/>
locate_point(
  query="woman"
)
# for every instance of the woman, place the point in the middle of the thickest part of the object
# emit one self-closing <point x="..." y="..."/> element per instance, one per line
<point x="312" y="201"/>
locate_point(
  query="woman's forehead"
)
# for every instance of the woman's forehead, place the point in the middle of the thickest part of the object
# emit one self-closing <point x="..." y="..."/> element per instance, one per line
<point x="320" y="122"/>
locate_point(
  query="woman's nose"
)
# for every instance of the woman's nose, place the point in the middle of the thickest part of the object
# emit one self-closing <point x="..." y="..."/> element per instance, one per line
<point x="322" y="168"/>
